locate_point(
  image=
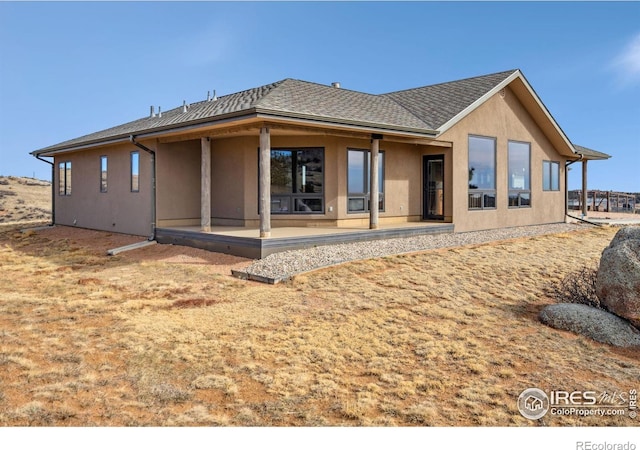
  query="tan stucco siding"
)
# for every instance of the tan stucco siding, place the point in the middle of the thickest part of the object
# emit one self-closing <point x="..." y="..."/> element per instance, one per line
<point x="331" y="178"/>
<point x="178" y="181"/>
<point x="402" y="179"/>
<point x="118" y="209"/>
<point x="448" y="178"/>
<point x="228" y="183"/>
<point x="504" y="119"/>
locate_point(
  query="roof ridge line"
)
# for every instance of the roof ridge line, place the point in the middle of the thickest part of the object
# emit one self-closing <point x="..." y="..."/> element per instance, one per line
<point x="427" y="125"/>
<point x="452" y="81"/>
<point x="199" y="102"/>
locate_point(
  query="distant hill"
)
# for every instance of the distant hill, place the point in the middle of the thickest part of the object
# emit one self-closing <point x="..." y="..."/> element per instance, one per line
<point x="24" y="200"/>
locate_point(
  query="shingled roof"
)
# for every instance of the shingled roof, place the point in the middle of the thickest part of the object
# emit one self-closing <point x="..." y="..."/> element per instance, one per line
<point x="423" y="111"/>
<point x="588" y="153"/>
<point x="437" y="104"/>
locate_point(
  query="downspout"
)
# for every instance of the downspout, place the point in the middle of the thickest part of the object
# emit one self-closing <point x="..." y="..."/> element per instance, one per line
<point x="53" y="188"/>
<point x="132" y="139"/>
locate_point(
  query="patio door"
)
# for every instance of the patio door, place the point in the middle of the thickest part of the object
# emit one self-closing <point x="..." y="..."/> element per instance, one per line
<point x="433" y="187"/>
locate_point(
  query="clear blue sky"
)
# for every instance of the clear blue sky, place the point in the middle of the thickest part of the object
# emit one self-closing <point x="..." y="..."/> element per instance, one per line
<point x="69" y="69"/>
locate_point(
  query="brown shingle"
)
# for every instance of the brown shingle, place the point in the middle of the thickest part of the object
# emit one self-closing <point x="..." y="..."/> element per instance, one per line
<point x="439" y="103"/>
<point x="420" y="110"/>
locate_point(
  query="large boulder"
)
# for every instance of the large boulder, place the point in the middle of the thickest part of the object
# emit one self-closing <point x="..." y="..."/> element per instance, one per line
<point x="618" y="280"/>
<point x="594" y="323"/>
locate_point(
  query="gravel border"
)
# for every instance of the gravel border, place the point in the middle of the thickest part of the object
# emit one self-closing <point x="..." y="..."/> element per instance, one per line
<point x="282" y="266"/>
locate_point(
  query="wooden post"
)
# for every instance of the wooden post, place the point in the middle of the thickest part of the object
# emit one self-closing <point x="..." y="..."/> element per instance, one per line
<point x="205" y="185"/>
<point x="265" y="183"/>
<point x="585" y="194"/>
<point x="374" y="182"/>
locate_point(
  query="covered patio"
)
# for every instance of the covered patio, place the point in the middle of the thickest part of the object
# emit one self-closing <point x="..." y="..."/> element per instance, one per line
<point x="246" y="242"/>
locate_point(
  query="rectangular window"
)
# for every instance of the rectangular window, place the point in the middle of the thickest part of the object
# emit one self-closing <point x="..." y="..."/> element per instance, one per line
<point x="135" y="172"/>
<point x="358" y="182"/>
<point x="103" y="174"/>
<point x="64" y="178"/>
<point x="550" y="176"/>
<point x="482" y="172"/>
<point x="519" y="174"/>
<point x="297" y="181"/>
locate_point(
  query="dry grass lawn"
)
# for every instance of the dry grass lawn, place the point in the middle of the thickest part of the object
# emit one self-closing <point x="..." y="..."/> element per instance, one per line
<point x="24" y="200"/>
<point x="442" y="338"/>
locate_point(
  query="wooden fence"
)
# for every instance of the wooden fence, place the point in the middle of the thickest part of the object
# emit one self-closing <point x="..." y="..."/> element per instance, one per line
<point x="606" y="201"/>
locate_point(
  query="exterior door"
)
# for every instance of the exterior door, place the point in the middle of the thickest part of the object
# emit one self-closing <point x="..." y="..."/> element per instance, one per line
<point x="433" y="187"/>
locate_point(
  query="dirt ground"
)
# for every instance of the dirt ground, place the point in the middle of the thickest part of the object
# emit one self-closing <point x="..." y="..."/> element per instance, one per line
<point x="164" y="336"/>
<point x="99" y="242"/>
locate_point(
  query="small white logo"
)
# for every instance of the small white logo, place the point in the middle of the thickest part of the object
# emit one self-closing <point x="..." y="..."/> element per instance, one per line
<point x="533" y="403"/>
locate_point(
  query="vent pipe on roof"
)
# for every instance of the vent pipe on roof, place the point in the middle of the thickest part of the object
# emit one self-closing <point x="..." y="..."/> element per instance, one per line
<point x="152" y="113"/>
<point x="208" y="96"/>
<point x="159" y="112"/>
<point x="214" y="96"/>
<point x="184" y="106"/>
<point x="336" y="84"/>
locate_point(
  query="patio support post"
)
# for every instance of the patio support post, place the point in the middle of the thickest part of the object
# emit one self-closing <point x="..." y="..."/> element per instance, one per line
<point x="374" y="182"/>
<point x="265" y="182"/>
<point x="205" y="185"/>
<point x="585" y="193"/>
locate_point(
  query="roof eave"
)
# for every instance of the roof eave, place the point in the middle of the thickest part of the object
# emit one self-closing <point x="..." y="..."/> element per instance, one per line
<point x="346" y="124"/>
<point x="590" y="154"/>
<point x="145" y="134"/>
<point x="52" y="151"/>
<point x="232" y="117"/>
<point x="517" y="74"/>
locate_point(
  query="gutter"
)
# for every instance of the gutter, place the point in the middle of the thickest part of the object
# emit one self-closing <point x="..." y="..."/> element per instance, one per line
<point x="53" y="188"/>
<point x="566" y="187"/>
<point x="145" y="133"/>
<point x="132" y="139"/>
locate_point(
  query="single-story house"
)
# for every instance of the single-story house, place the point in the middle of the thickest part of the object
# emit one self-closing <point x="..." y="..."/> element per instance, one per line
<point x="472" y="154"/>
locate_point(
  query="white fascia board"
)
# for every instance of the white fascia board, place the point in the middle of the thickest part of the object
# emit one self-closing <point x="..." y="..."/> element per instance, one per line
<point x="462" y="114"/>
<point x="546" y="112"/>
<point x="495" y="90"/>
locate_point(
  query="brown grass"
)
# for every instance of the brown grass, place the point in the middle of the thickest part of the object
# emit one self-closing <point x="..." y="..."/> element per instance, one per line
<point x="446" y="337"/>
<point x="24" y="200"/>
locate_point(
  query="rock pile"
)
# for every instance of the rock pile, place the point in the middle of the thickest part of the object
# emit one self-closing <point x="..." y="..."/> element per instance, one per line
<point x="592" y="322"/>
<point x="618" y="290"/>
<point x="618" y="281"/>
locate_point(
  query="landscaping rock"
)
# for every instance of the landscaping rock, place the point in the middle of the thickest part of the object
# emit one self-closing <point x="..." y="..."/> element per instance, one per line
<point x="594" y="323"/>
<point x="618" y="280"/>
